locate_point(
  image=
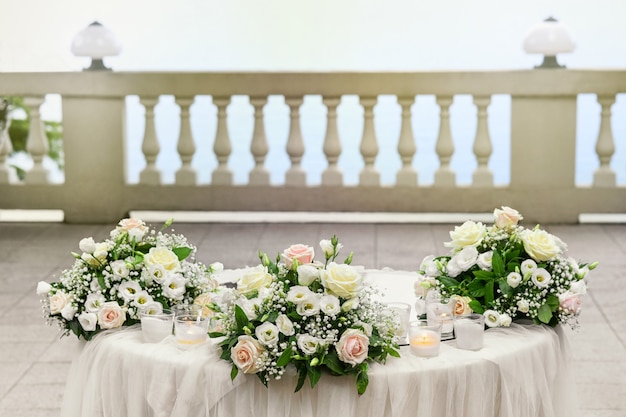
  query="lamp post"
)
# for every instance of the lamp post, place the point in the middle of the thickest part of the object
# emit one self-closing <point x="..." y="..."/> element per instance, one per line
<point x="96" y="42"/>
<point x="549" y="38"/>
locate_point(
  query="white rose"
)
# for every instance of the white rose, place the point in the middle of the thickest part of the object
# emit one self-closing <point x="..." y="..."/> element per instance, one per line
<point x="88" y="321"/>
<point x="352" y="347"/>
<point x="43" y="288"/>
<point x="523" y="306"/>
<point x="285" y="326"/>
<point x="579" y="287"/>
<point x="216" y="267"/>
<point x="249" y="306"/>
<point x="513" y="279"/>
<point x="351" y="304"/>
<point x="307" y="274"/>
<point x="342" y="280"/>
<point x="506" y="218"/>
<point x="307" y="343"/>
<point x="541" y="245"/>
<point x="111" y="315"/>
<point x="466" y="257"/>
<point x="308" y="307"/>
<point x="468" y="234"/>
<point x="267" y="334"/>
<point x="430" y="266"/>
<point x="541" y="278"/>
<point x="164" y="257"/>
<point x="492" y="318"/>
<point x="58" y="301"/>
<point x="87" y="245"/>
<point x="299" y="293"/>
<point x="69" y="311"/>
<point x="93" y="302"/>
<point x="330" y="305"/>
<point x="423" y="285"/>
<point x="246" y="353"/>
<point x="484" y="260"/>
<point x="504" y="320"/>
<point x="254" y="279"/>
<point x="452" y="268"/>
<point x="528" y="266"/>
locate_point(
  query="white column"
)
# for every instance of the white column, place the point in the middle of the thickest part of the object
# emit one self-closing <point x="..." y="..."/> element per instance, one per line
<point x="444" y="176"/>
<point x="295" y="145"/>
<point x="222" y="147"/>
<point x="332" y="146"/>
<point x="369" y="147"/>
<point x="37" y="144"/>
<point x="6" y="173"/>
<point x="407" y="176"/>
<point x="259" y="175"/>
<point x="186" y="175"/>
<point x="150" y="147"/>
<point x="482" y="177"/>
<point x="604" y="176"/>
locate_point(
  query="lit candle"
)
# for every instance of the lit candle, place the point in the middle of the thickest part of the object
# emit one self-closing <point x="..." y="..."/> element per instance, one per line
<point x="190" y="330"/>
<point x="441" y="313"/>
<point x="469" y="332"/>
<point x="425" y="343"/>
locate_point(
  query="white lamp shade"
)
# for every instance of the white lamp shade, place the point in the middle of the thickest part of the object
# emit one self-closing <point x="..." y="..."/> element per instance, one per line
<point x="96" y="41"/>
<point x="549" y="37"/>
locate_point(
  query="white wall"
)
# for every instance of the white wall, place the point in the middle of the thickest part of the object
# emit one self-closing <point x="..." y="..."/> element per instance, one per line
<point x="35" y="35"/>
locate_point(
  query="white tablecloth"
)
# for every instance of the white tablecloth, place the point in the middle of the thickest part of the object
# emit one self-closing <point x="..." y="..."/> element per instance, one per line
<point x="522" y="371"/>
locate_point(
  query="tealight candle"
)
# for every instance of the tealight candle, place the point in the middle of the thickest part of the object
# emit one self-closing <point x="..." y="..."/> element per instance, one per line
<point x="441" y="313"/>
<point x="190" y="330"/>
<point x="425" y="339"/>
<point x="156" y="327"/>
<point x="469" y="331"/>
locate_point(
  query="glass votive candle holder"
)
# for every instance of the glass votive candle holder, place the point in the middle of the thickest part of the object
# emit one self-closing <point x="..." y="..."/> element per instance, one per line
<point x="190" y="329"/>
<point x="424" y="338"/>
<point x="156" y="326"/>
<point x="441" y="313"/>
<point x="469" y="331"/>
<point x="403" y="311"/>
<point x="187" y="309"/>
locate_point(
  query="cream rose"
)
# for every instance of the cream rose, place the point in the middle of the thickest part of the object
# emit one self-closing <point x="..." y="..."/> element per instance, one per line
<point x="342" y="280"/>
<point x="245" y="354"/>
<point x="58" y="301"/>
<point x="460" y="305"/>
<point x="164" y="257"/>
<point x="506" y="218"/>
<point x="111" y="315"/>
<point x="468" y="234"/>
<point x="205" y="300"/>
<point x="254" y="279"/>
<point x="303" y="254"/>
<point x="353" y="347"/>
<point x="541" y="245"/>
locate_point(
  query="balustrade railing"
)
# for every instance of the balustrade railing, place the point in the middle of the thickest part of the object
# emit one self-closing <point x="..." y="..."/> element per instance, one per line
<point x="543" y="134"/>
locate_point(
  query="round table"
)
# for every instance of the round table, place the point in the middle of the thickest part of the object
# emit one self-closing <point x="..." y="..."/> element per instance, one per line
<point x="522" y="371"/>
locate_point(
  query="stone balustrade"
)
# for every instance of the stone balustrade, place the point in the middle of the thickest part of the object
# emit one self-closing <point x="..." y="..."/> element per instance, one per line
<point x="96" y="188"/>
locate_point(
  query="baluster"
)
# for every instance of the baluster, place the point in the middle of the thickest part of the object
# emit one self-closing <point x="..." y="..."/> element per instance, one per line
<point x="150" y="147"/>
<point x="6" y="172"/>
<point x="369" y="147"/>
<point x="186" y="175"/>
<point x="332" y="146"/>
<point x="222" y="147"/>
<point x="295" y="145"/>
<point x="259" y="175"/>
<point x="444" y="176"/>
<point x="604" y="176"/>
<point x="37" y="142"/>
<point x="482" y="177"/>
<point x="407" y="176"/>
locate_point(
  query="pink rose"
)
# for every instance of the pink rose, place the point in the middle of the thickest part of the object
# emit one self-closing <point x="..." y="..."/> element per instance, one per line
<point x="506" y="217"/>
<point x="302" y="253"/>
<point x="353" y="346"/>
<point x="111" y="315"/>
<point x="134" y="227"/>
<point x="245" y="354"/>
<point x="570" y="303"/>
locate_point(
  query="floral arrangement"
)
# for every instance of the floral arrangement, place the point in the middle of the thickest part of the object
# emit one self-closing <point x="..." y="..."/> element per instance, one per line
<point x="111" y="282"/>
<point x="314" y="316"/>
<point x="506" y="272"/>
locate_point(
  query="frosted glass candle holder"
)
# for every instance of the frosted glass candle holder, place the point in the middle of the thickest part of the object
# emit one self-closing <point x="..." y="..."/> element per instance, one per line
<point x="156" y="326"/>
<point x="403" y="310"/>
<point x="441" y="313"/>
<point x="190" y="330"/>
<point x="469" y="331"/>
<point x="187" y="309"/>
<point x="424" y="338"/>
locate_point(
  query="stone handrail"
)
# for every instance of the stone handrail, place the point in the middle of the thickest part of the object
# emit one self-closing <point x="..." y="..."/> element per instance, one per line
<point x="95" y="189"/>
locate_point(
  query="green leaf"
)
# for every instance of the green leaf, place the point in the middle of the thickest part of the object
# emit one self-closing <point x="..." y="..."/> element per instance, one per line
<point x="505" y="288"/>
<point x="315" y="374"/>
<point x="216" y="334"/>
<point x="301" y="377"/>
<point x="101" y="282"/>
<point x="240" y="318"/>
<point x="332" y="362"/>
<point x="182" y="252"/>
<point x="553" y="302"/>
<point x="497" y="263"/>
<point x="362" y="380"/>
<point x="285" y="357"/>
<point x="233" y="372"/>
<point x="483" y="275"/>
<point x="393" y="352"/>
<point x="476" y="307"/>
<point x="489" y="293"/>
<point x="448" y="282"/>
<point x="545" y="313"/>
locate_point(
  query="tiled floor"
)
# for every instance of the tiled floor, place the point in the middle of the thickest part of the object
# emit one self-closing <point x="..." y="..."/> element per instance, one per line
<point x="34" y="362"/>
